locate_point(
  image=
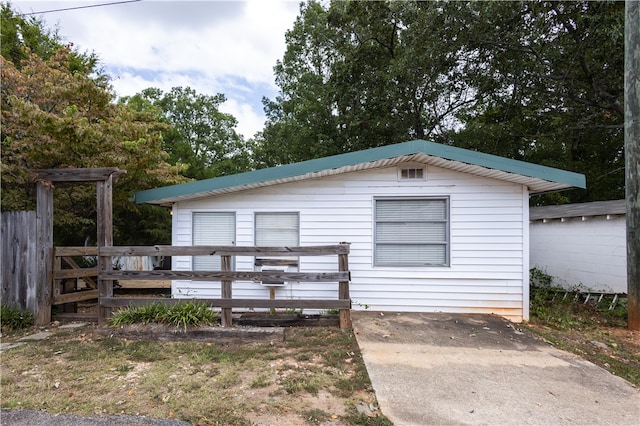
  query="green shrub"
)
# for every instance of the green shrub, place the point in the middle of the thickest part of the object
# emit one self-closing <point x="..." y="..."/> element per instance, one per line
<point x="12" y="318"/>
<point x="179" y="315"/>
<point x="539" y="278"/>
<point x="189" y="314"/>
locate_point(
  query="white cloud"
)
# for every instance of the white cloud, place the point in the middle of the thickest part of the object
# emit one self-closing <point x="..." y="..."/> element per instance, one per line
<point x="252" y="119"/>
<point x="227" y="47"/>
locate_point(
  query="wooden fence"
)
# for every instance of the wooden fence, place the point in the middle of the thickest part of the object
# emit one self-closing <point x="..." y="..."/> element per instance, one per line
<point x="67" y="272"/>
<point x="106" y="275"/>
<point x="19" y="266"/>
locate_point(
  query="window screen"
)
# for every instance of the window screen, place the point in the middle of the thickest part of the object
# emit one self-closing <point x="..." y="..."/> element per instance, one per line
<point x="212" y="229"/>
<point x="412" y="232"/>
<point x="277" y="229"/>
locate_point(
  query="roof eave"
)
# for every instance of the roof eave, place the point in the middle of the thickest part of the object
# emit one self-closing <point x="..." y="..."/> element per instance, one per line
<point x="537" y="178"/>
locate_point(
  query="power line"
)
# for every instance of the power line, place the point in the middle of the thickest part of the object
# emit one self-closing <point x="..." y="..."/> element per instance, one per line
<point x="78" y="7"/>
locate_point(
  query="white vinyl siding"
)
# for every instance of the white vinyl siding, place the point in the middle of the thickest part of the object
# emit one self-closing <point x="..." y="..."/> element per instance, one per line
<point x="212" y="229"/>
<point x="276" y="229"/>
<point x="488" y="231"/>
<point x="411" y="232"/>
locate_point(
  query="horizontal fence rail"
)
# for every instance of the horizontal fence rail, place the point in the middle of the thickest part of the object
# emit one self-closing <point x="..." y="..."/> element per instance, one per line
<point x="226" y="276"/>
<point x="118" y="302"/>
<point x="337" y="249"/>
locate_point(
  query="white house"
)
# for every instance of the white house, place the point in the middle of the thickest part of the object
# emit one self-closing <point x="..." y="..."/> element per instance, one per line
<point x="433" y="228"/>
<point x="581" y="245"/>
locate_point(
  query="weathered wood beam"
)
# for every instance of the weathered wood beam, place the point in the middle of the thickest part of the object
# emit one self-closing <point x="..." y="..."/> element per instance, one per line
<point x="225" y="275"/>
<point x="105" y="239"/>
<point x="225" y="292"/>
<point x="224" y="250"/>
<point x="83" y="317"/>
<point x="87" y="279"/>
<point x="75" y="273"/>
<point x="122" y="302"/>
<point x="75" y="251"/>
<point x="76" y="296"/>
<point x="78" y="175"/>
<point x="343" y="291"/>
<point x="44" y="243"/>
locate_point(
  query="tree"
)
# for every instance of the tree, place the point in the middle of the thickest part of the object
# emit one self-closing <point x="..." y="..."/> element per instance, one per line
<point x="553" y="91"/>
<point x="536" y="81"/>
<point x="300" y="121"/>
<point x="364" y="74"/>
<point x="198" y="137"/>
<point x="55" y="117"/>
<point x="22" y="35"/>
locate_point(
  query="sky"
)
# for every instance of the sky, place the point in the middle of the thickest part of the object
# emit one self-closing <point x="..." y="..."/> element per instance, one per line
<point x="212" y="46"/>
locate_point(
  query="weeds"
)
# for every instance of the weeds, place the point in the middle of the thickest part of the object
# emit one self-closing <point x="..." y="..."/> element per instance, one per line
<point x="316" y="416"/>
<point x="12" y="318"/>
<point x="590" y="330"/>
<point x="261" y="381"/>
<point x="563" y="308"/>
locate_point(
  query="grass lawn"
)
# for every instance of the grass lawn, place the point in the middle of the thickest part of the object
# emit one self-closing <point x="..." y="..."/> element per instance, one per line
<point x="316" y="376"/>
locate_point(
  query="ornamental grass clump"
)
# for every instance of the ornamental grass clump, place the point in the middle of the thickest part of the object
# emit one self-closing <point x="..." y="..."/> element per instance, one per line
<point x="179" y="315"/>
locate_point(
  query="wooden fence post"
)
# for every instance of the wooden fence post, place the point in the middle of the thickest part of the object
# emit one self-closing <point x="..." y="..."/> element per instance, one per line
<point x="105" y="239"/>
<point x="226" y="318"/>
<point x="44" y="242"/>
<point x="632" y="158"/>
<point x="343" y="292"/>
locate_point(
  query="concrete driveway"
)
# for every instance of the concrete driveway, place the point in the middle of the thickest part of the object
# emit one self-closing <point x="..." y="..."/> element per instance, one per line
<point x="443" y="369"/>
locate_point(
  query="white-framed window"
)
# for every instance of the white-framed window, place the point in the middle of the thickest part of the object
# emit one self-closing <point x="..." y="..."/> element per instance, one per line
<point x="212" y="229"/>
<point x="411" y="231"/>
<point x="277" y="229"/>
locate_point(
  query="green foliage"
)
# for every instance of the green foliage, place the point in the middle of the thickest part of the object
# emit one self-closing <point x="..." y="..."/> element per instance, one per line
<point x="199" y="138"/>
<point x="540" y="279"/>
<point x="55" y="118"/>
<point x="178" y="315"/>
<point x="21" y="36"/>
<point x="554" y="93"/>
<point x="534" y="81"/>
<point x="189" y="314"/>
<point x="12" y="318"/>
<point x="58" y="111"/>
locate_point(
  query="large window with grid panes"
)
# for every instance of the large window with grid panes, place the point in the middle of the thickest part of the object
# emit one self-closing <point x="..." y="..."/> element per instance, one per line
<point x="412" y="231"/>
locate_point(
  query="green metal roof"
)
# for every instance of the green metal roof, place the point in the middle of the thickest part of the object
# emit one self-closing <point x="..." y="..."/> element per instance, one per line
<point x="537" y="178"/>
